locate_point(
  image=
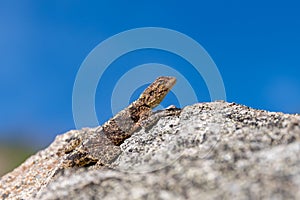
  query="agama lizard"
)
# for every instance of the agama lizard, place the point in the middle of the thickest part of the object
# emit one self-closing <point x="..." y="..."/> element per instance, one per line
<point x="102" y="146"/>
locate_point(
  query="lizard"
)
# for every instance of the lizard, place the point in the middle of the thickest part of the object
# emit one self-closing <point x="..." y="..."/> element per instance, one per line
<point x="102" y="146"/>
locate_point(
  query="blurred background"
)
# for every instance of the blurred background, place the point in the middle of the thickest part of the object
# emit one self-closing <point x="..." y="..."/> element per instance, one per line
<point x="255" y="46"/>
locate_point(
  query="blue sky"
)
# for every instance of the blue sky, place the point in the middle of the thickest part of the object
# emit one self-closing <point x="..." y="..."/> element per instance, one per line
<point x="255" y="46"/>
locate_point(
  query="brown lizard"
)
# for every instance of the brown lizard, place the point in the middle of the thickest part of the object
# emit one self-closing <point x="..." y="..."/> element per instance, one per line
<point x="102" y="146"/>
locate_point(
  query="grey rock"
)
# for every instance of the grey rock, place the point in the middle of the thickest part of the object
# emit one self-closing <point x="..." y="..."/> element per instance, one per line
<point x="215" y="150"/>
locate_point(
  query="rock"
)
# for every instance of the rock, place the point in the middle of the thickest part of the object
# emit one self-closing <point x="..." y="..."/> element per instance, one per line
<point x="212" y="150"/>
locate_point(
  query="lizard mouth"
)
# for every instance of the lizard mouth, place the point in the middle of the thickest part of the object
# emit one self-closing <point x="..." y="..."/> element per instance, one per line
<point x="170" y="81"/>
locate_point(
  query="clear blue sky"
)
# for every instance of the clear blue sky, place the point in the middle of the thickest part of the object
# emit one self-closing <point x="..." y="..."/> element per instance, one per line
<point x="43" y="43"/>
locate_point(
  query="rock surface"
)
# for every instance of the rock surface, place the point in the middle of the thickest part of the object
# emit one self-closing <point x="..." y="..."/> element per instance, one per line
<point x="212" y="150"/>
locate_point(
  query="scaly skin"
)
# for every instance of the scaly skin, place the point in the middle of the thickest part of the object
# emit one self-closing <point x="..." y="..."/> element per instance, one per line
<point x="128" y="120"/>
<point x="102" y="147"/>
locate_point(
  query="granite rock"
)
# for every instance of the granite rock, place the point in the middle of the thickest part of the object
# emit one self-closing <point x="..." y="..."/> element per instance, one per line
<point x="214" y="150"/>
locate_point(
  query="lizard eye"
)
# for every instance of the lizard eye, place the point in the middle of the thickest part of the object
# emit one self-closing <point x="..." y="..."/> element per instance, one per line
<point x="151" y="93"/>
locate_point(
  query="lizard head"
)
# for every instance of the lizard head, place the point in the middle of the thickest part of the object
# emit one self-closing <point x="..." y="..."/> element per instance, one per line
<point x="156" y="92"/>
